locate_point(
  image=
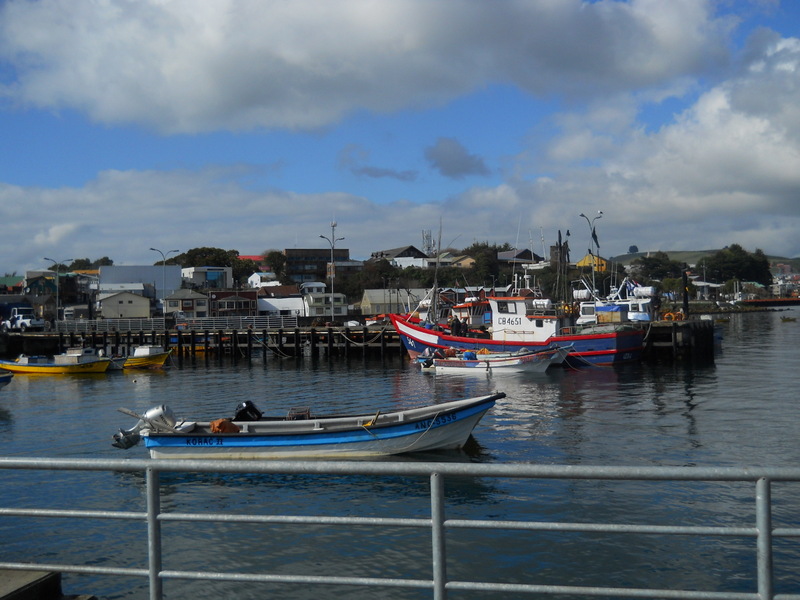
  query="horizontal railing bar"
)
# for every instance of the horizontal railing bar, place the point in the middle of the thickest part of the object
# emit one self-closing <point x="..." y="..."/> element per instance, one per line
<point x="89" y="514"/>
<point x="747" y="475"/>
<point x="598" y="591"/>
<point x="66" y="568"/>
<point x="728" y="474"/>
<point x="604" y="528"/>
<point x="317" y="579"/>
<point x="296" y="520"/>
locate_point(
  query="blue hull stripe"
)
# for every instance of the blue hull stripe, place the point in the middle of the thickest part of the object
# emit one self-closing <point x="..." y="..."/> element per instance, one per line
<point x="364" y="434"/>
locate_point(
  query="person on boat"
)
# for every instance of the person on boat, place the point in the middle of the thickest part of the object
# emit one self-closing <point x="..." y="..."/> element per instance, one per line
<point x="455" y="327"/>
<point x="464" y="327"/>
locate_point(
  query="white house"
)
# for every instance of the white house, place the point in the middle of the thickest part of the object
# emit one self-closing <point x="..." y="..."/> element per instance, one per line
<point x="124" y="305"/>
<point x="262" y="279"/>
<point x="214" y="278"/>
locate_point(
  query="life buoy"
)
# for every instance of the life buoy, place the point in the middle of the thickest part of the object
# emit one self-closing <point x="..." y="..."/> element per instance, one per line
<point x="669" y="316"/>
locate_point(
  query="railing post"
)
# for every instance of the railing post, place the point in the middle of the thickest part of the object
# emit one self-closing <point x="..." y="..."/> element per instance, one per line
<point x="154" y="533"/>
<point x="764" y="541"/>
<point x="437" y="537"/>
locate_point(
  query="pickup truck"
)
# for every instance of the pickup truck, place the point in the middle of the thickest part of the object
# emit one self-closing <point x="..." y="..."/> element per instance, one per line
<point x="20" y="318"/>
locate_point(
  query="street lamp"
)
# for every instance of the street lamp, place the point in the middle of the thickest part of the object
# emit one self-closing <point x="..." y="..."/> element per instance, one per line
<point x="164" y="278"/>
<point x="55" y="268"/>
<point x="593" y="242"/>
<point x="332" y="241"/>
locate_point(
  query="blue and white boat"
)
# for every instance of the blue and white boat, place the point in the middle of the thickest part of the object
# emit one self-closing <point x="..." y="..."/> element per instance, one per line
<point x="300" y="434"/>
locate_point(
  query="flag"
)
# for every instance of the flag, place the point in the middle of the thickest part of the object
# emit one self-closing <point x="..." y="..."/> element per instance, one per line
<point x="594" y="237"/>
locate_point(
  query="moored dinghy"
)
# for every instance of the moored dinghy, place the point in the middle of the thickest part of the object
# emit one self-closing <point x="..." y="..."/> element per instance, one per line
<point x="522" y="361"/>
<point x="300" y="434"/>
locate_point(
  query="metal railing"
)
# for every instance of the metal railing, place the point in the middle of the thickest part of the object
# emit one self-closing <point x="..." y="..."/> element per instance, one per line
<point x="439" y="584"/>
<point x="159" y="324"/>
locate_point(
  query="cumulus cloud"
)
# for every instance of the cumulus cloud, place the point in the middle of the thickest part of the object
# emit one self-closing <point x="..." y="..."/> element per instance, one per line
<point x="451" y="159"/>
<point x="187" y="66"/>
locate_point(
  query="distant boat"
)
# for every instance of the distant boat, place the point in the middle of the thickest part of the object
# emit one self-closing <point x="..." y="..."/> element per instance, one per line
<point x="5" y="378"/>
<point x="788" y="319"/>
<point x="142" y="357"/>
<point x="508" y="362"/>
<point x="630" y="301"/>
<point x="74" y="360"/>
<point x="302" y="434"/>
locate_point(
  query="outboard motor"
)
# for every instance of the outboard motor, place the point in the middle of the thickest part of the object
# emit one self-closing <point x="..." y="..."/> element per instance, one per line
<point x="158" y="418"/>
<point x="247" y="411"/>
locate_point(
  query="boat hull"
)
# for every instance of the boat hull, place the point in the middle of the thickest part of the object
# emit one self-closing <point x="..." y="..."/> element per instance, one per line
<point x="601" y="345"/>
<point x="532" y="362"/>
<point x="155" y="361"/>
<point x="438" y="427"/>
<point x="99" y="366"/>
<point x="5" y="378"/>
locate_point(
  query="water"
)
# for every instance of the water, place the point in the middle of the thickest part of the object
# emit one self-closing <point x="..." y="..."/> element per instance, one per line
<point x="739" y="410"/>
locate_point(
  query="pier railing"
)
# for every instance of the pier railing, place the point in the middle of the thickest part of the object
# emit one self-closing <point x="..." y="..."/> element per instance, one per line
<point x="438" y="474"/>
<point x="159" y="324"/>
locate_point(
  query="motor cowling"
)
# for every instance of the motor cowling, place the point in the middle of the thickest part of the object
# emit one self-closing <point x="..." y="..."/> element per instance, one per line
<point x="247" y="411"/>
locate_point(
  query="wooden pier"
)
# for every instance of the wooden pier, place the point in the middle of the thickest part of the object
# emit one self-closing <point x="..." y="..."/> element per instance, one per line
<point x="664" y="340"/>
<point x="678" y="340"/>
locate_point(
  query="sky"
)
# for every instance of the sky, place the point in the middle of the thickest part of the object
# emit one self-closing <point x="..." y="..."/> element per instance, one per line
<point x="252" y="125"/>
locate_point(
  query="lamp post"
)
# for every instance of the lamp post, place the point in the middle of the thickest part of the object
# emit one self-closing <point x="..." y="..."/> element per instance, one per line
<point x="332" y="241"/>
<point x="593" y="243"/>
<point x="164" y="277"/>
<point x="55" y="268"/>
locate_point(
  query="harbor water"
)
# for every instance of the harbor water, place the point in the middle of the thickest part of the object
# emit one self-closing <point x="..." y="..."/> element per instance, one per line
<point x="739" y="409"/>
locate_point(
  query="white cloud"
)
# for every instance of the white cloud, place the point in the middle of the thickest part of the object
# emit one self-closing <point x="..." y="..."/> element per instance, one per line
<point x="188" y="66"/>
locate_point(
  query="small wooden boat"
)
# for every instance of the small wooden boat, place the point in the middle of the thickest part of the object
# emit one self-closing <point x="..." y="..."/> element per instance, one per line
<point x="300" y="434"/>
<point x="5" y="377"/>
<point x="788" y="319"/>
<point x="142" y="357"/>
<point x="74" y="360"/>
<point x="469" y="362"/>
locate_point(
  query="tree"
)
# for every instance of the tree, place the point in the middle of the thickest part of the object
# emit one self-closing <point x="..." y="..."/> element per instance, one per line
<point x="658" y="267"/>
<point x="85" y="264"/>
<point x="276" y="260"/>
<point x="734" y="262"/>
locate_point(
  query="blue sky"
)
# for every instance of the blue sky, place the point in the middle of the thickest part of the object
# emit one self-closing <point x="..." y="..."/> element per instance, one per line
<point x="252" y="124"/>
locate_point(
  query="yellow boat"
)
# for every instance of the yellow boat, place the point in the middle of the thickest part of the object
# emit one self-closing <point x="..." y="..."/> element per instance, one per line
<point x="74" y="360"/>
<point x="142" y="357"/>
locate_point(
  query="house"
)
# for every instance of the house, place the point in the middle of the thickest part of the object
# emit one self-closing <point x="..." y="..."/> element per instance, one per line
<point x="208" y="278"/>
<point x="192" y="304"/>
<point x="383" y="301"/>
<point x="312" y="264"/>
<point x="261" y="279"/>
<point x="318" y="302"/>
<point x="463" y="262"/>
<point x="395" y="253"/>
<point x="519" y="256"/>
<point x="13" y="284"/>
<point x="281" y="300"/>
<point x="228" y="303"/>
<point x="158" y="281"/>
<point x="600" y="263"/>
<point x="123" y="305"/>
